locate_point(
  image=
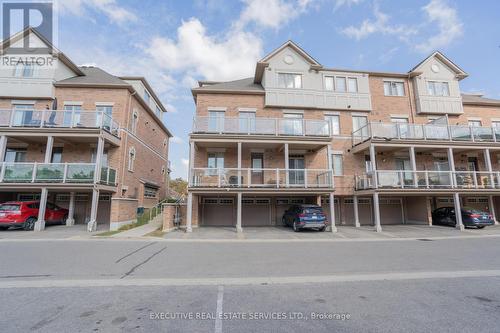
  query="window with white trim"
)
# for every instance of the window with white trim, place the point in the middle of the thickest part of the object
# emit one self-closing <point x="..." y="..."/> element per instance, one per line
<point x="334" y="123"/>
<point x="340" y="84"/>
<point x="337" y="165"/>
<point x="147" y="96"/>
<point x="24" y="70"/>
<point x="131" y="159"/>
<point x="215" y="162"/>
<point x="135" y="120"/>
<point x="437" y="88"/>
<point x="474" y="123"/>
<point x="289" y="80"/>
<point x="352" y="84"/>
<point x="394" y="88"/>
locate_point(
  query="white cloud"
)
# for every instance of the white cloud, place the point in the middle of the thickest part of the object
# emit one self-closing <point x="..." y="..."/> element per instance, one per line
<point x="110" y="8"/>
<point x="341" y="3"/>
<point x="195" y="52"/>
<point x="176" y="140"/>
<point x="449" y="25"/>
<point x="185" y="161"/>
<point x="271" y="13"/>
<point x="379" y="25"/>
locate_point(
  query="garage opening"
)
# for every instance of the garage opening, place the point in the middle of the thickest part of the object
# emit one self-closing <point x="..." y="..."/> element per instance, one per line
<point x="364" y="211"/>
<point x="256" y="212"/>
<point x="391" y="211"/>
<point x="218" y="212"/>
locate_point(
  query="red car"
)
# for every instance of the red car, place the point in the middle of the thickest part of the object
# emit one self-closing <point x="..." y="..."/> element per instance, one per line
<point x="25" y="213"/>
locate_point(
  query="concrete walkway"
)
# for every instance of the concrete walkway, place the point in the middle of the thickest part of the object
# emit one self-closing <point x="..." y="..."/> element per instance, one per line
<point x="142" y="230"/>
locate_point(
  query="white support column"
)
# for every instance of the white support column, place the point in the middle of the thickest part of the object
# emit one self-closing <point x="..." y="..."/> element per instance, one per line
<point x="92" y="225"/>
<point x="191" y="164"/>
<point x="98" y="159"/>
<point x="458" y="212"/>
<point x="373" y="161"/>
<point x="239" y="164"/>
<point x="48" y="149"/>
<point x="451" y="163"/>
<point x="3" y="147"/>
<point x="189" y="213"/>
<point x="71" y="211"/>
<point x="356" y="212"/>
<point x="287" y="166"/>
<point x="413" y="165"/>
<point x="238" y="212"/>
<point x="491" y="204"/>
<point x="333" y="228"/>
<point x="40" y="223"/>
<point x="487" y="162"/>
<point x="376" y="212"/>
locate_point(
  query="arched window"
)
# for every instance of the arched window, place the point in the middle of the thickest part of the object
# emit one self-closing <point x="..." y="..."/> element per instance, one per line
<point x="135" y="120"/>
<point x="131" y="159"/>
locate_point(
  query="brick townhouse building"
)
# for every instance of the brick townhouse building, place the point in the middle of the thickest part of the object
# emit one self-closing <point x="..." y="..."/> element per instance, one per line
<point x="373" y="148"/>
<point x="80" y="138"/>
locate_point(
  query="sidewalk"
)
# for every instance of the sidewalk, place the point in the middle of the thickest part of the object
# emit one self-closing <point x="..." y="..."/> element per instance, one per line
<point x="142" y="230"/>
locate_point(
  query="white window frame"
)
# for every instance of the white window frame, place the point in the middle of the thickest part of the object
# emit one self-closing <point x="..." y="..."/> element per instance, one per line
<point x="135" y="121"/>
<point x="285" y="74"/>
<point x="436" y="88"/>
<point x="329" y="117"/>
<point x="336" y="171"/>
<point x="350" y="79"/>
<point x="393" y="90"/>
<point x="131" y="159"/>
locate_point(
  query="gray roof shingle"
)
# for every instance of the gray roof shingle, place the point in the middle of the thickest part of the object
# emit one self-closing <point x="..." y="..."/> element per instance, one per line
<point x="94" y="76"/>
<point x="469" y="98"/>
<point x="237" y="85"/>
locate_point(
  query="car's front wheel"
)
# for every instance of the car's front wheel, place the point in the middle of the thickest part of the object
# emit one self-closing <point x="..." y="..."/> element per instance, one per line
<point x="29" y="224"/>
<point x="322" y="229"/>
<point x="64" y="219"/>
<point x="295" y="226"/>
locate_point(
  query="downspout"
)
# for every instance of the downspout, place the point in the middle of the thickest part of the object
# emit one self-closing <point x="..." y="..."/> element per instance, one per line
<point x="126" y="138"/>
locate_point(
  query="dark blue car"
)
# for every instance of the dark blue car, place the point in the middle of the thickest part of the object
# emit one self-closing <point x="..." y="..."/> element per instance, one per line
<point x="470" y="217"/>
<point x="305" y="217"/>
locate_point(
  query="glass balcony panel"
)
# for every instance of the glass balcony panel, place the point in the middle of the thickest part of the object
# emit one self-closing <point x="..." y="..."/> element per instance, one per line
<point x="436" y="132"/>
<point x="80" y="173"/>
<point x="49" y="173"/>
<point x="461" y="133"/>
<point x="18" y="172"/>
<point x="27" y="118"/>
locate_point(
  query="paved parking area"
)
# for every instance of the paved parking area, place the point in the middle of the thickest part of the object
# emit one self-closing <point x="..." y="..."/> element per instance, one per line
<point x="77" y="231"/>
<point x="344" y="232"/>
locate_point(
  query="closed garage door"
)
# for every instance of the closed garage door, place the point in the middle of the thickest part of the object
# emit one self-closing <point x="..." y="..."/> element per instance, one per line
<point x="390" y="211"/>
<point x="364" y="211"/>
<point x="218" y="212"/>
<point x="256" y="212"/>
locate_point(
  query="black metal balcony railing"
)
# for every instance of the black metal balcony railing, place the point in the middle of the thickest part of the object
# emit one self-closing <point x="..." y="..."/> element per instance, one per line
<point x="261" y="178"/>
<point x="261" y="126"/>
<point x="407" y="179"/>
<point x="58" y="119"/>
<point x="425" y="132"/>
<point x="64" y="173"/>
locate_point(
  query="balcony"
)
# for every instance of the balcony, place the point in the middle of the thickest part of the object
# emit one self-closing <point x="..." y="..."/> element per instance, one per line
<point x="261" y="178"/>
<point x="429" y="180"/>
<point x="58" y="173"/>
<point x="261" y="126"/>
<point x="58" y="119"/>
<point x="425" y="132"/>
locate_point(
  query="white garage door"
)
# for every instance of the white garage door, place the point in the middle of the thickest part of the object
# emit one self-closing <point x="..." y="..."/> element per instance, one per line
<point x="325" y="204"/>
<point x="256" y="212"/>
<point x="391" y="211"/>
<point x="218" y="212"/>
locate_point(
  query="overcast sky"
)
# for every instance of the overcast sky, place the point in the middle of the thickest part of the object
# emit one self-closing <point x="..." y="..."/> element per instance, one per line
<point x="175" y="43"/>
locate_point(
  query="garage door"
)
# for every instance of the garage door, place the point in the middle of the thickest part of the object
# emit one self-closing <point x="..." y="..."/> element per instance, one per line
<point x="218" y="212"/>
<point x="480" y="203"/>
<point x="364" y="211"/>
<point x="256" y="212"/>
<point x="390" y="211"/>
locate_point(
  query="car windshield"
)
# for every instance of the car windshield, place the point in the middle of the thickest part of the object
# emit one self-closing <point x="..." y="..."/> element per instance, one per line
<point x="312" y="210"/>
<point x="9" y="207"/>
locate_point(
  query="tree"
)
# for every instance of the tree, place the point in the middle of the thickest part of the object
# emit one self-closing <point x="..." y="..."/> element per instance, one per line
<point x="179" y="185"/>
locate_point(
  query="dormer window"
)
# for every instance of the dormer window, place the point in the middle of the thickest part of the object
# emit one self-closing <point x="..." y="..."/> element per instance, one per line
<point x="290" y="80"/>
<point x="437" y="88"/>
